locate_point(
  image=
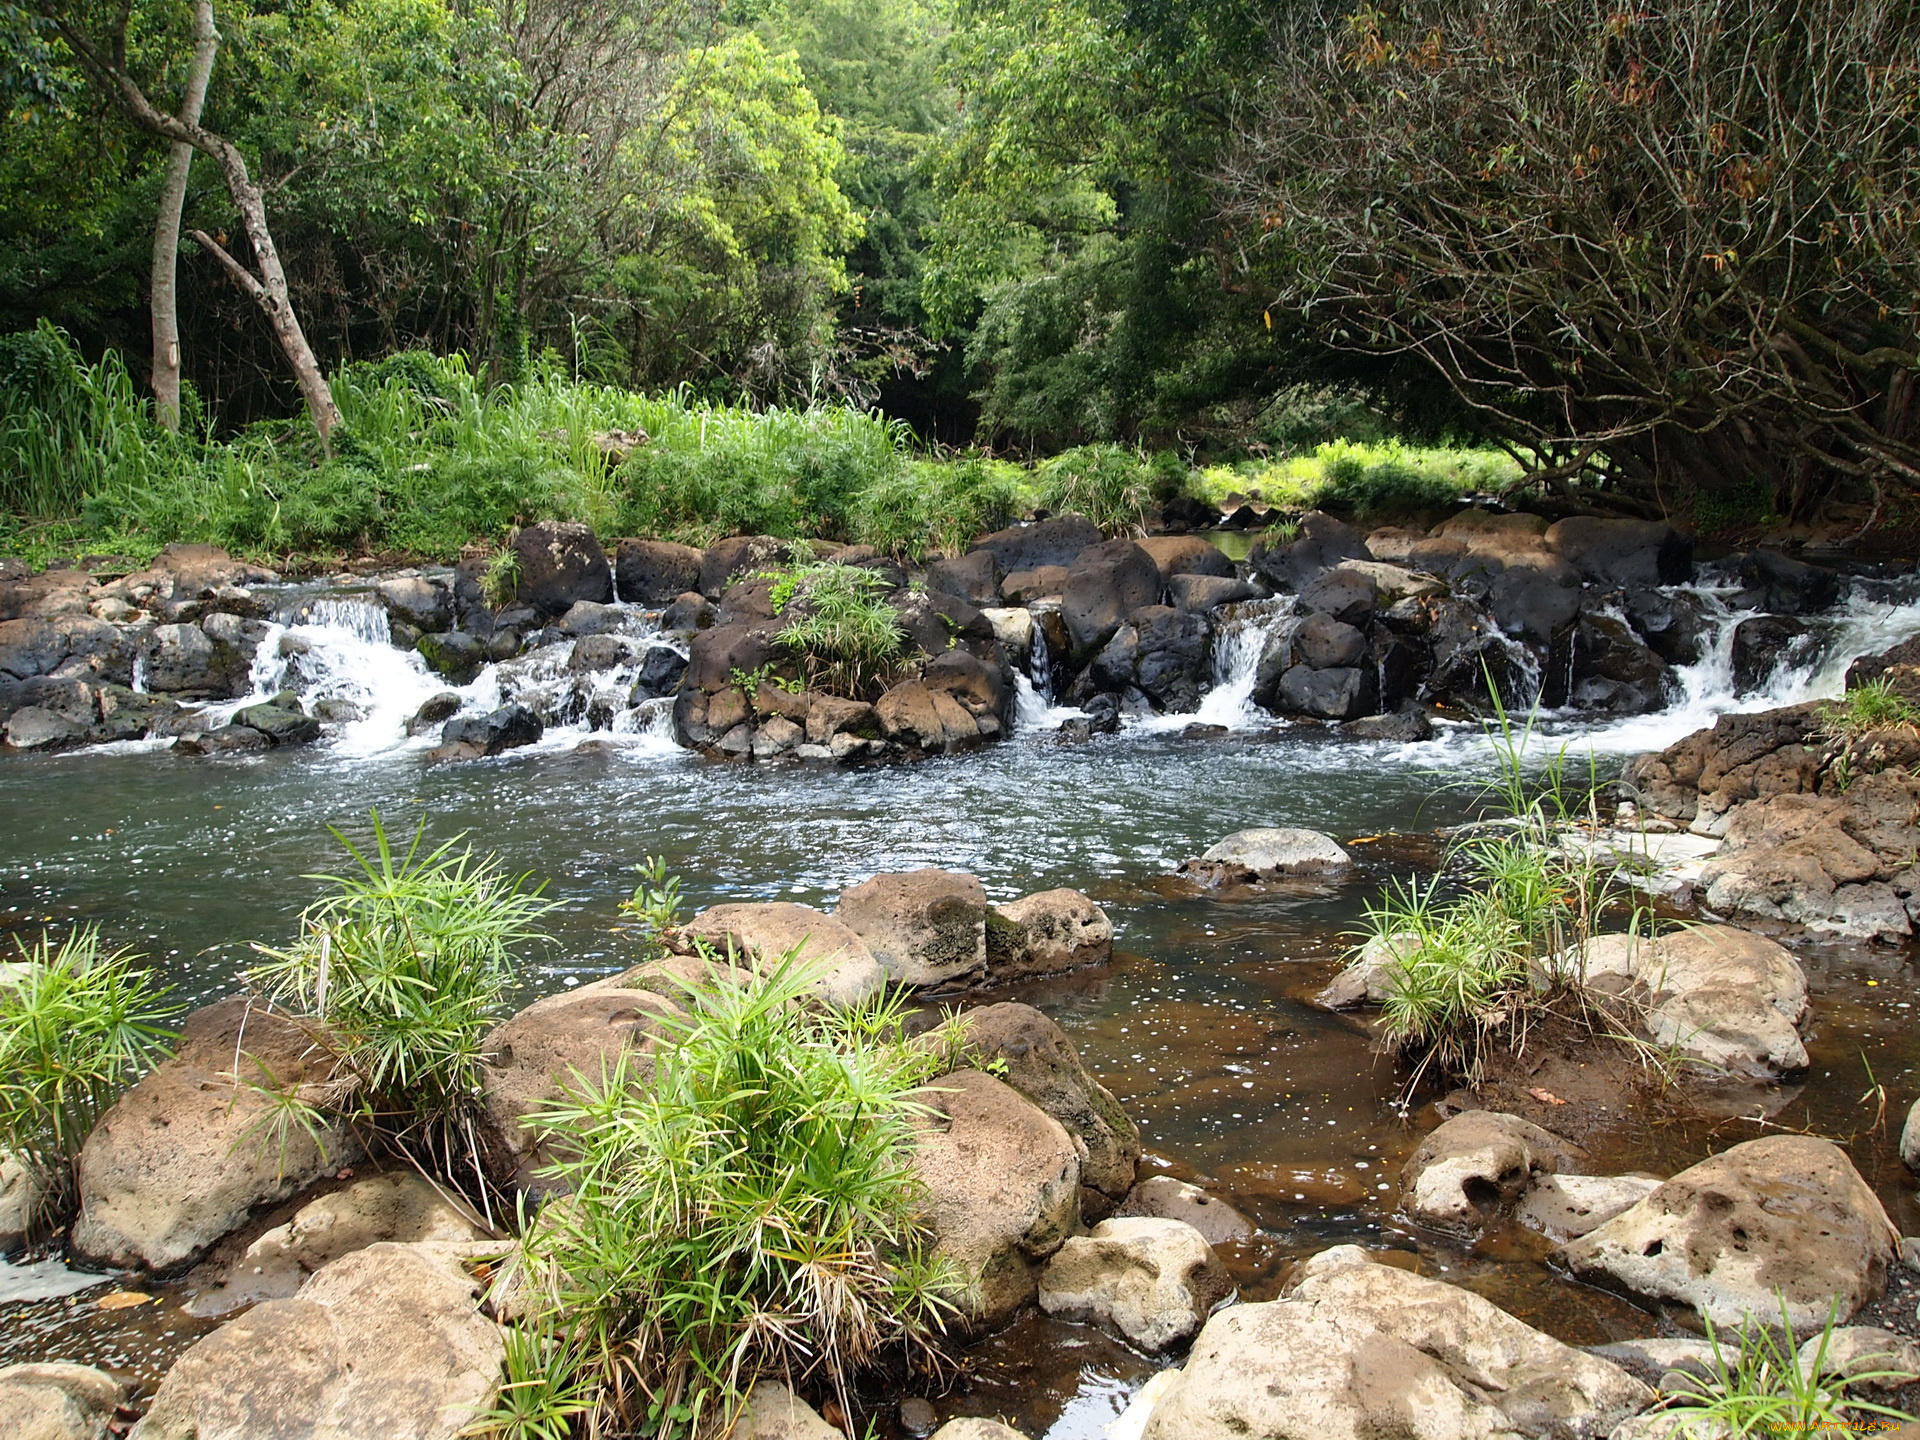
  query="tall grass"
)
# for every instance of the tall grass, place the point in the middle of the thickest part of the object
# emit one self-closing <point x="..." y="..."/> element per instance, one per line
<point x="1369" y="478"/>
<point x="846" y="634"/>
<point x="77" y="1025"/>
<point x="402" y="969"/>
<point x="749" y="1207"/>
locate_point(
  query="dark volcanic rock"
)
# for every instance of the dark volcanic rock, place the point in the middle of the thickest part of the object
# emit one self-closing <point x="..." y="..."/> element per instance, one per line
<point x="560" y="563"/>
<point x="654" y="572"/>
<point x="507" y="728"/>
<point x="1056" y="541"/>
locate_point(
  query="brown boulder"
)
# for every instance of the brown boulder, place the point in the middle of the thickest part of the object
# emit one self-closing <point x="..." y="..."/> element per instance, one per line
<point x="1045" y="934"/>
<point x="925" y="927"/>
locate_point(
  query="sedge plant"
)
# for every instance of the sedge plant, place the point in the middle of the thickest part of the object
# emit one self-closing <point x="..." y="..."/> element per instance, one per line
<point x="846" y="634"/>
<point x="1873" y="705"/>
<point x="741" y="1203"/>
<point x="400" y="971"/>
<point x="78" y="1024"/>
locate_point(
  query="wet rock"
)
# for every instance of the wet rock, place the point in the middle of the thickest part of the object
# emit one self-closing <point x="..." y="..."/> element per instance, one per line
<point x="1335" y="694"/>
<point x="1910" y="1139"/>
<point x="1700" y="778"/>
<point x="1467" y="646"/>
<point x="1726" y="997"/>
<point x="416" y="601"/>
<point x="387" y="1341"/>
<point x="1058" y="540"/>
<point x="688" y="614"/>
<point x="1186" y="555"/>
<point x="556" y="1044"/>
<point x="1105" y="585"/>
<point x="1160" y="653"/>
<point x="1371" y="976"/>
<point x="1674" y="624"/>
<point x="659" y="676"/>
<point x="776" y="737"/>
<point x="761" y="934"/>
<point x="1358" y="1350"/>
<point x="20" y="1198"/>
<point x="1024" y="587"/>
<point x="33" y="727"/>
<point x="1623" y="554"/>
<point x="1865" y="1357"/>
<point x="1342" y="594"/>
<point x="1200" y="593"/>
<point x="281" y="720"/>
<point x="923" y="717"/>
<point x="399" y="1206"/>
<point x="1326" y="643"/>
<point x="453" y="653"/>
<point x="1248" y="856"/>
<point x="1046" y="934"/>
<point x="727" y="560"/>
<point x="435" y="711"/>
<point x="508" y="728"/>
<point x="57" y="1401"/>
<point x="591" y="618"/>
<point x="925" y="927"/>
<point x="184" y="660"/>
<point x="654" y="572"/>
<point x="227" y="740"/>
<point x="1782" y="1220"/>
<point x="1565" y="1207"/>
<point x="560" y="562"/>
<point x="773" y="1412"/>
<point x="184" y="1156"/>
<point x="1617" y="672"/>
<point x="1165" y="1198"/>
<point x="1474" y="1165"/>
<point x="1765" y="644"/>
<point x="1393" y="583"/>
<point x="1771" y="582"/>
<point x="974" y="577"/>
<point x="1002" y="1189"/>
<point x="980" y="687"/>
<point x="1323" y="542"/>
<point x="594" y="653"/>
<point x="1041" y="1063"/>
<point x="1404" y="727"/>
<point x="1154" y="1282"/>
<point x="829" y="716"/>
<point x="1535" y="600"/>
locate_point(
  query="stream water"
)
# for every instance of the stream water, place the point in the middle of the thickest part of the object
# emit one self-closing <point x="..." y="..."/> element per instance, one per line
<point x="1199" y="1024"/>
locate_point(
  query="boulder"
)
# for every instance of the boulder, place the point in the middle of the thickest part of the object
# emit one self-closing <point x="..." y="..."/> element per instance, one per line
<point x="1105" y="585"/>
<point x="30" y="647"/>
<point x="1154" y="1282"/>
<point x="1371" y="975"/>
<point x="1403" y="727"/>
<point x="434" y="712"/>
<point x="1725" y="997"/>
<point x="773" y="1412"/>
<point x="454" y="654"/>
<point x="227" y="740"/>
<point x="185" y="660"/>
<point x="1393" y="583"/>
<point x="1781" y="1220"/>
<point x="1326" y="643"/>
<point x="1046" y="934"/>
<point x="1336" y="694"/>
<point x="661" y="668"/>
<point x="762" y="934"/>
<point x="1864" y="1356"/>
<point x="388" y="1341"/>
<point x="1359" y="1350"/>
<point x="1200" y="593"/>
<point x="595" y="653"/>
<point x="925" y="927"/>
<point x="689" y="613"/>
<point x="1161" y="654"/>
<point x="281" y="720"/>
<point x="416" y="601"/>
<point x="57" y="1401"/>
<point x="1321" y="544"/>
<point x="1536" y="600"/>
<point x="1766" y="644"/>
<point x="560" y="562"/>
<point x="1623" y="554"/>
<point x="974" y="577"/>
<point x="1910" y="1139"/>
<point x="1002" y="1189"/>
<point x="973" y="1428"/>
<point x="1345" y="593"/>
<point x="727" y="560"/>
<point x="1248" y="856"/>
<point x="832" y="715"/>
<point x="1475" y="1164"/>
<point x="400" y="1206"/>
<point x="508" y="728"/>
<point x="924" y="717"/>
<point x="185" y="1155"/>
<point x="1036" y="1058"/>
<point x="34" y="727"/>
<point x="1024" y="587"/>
<point x="1162" y="1197"/>
<point x="21" y="1194"/>
<point x="654" y="572"/>
<point x="1565" y="1207"/>
<point x="1058" y="540"/>
<point x="1771" y="582"/>
<point x="1186" y="555"/>
<point x="1700" y="778"/>
<point x="590" y="618"/>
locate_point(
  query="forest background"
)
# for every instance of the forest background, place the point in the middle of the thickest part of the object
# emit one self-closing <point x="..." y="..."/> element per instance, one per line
<point x="1656" y="258"/>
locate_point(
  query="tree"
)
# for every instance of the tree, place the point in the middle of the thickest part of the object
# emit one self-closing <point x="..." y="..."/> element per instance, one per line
<point x="101" y="49"/>
<point x="162" y="293"/>
<point x="1669" y="245"/>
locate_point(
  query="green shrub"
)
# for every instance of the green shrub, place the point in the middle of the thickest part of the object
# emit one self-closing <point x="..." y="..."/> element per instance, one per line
<point x="929" y="508"/>
<point x="846" y="634"/>
<point x="76" y="1027"/>
<point x="1875" y="705"/>
<point x="403" y="968"/>
<point x="748" y="1207"/>
<point x="69" y="429"/>
<point x="1109" y="484"/>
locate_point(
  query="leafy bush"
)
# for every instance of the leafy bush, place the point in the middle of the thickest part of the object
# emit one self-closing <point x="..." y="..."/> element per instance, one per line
<point x="1109" y="484"/>
<point x="846" y="635"/>
<point x="929" y="508"/>
<point x="1760" y="1385"/>
<point x="1372" y="478"/>
<point x="403" y="969"/>
<point x="76" y="1026"/>
<point x="749" y="1207"/>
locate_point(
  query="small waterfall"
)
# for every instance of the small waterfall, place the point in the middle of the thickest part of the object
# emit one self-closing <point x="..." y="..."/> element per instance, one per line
<point x="139" y="681"/>
<point x="1242" y="634"/>
<point x="1034" y="705"/>
<point x="1040" y="662"/>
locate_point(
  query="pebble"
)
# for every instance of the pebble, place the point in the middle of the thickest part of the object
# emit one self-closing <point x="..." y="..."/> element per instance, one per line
<point x="1910" y="1252"/>
<point x="917" y="1417"/>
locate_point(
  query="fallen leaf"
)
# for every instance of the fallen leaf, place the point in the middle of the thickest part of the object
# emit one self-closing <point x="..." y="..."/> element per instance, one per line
<point x="122" y="1300"/>
<point x="1545" y="1097"/>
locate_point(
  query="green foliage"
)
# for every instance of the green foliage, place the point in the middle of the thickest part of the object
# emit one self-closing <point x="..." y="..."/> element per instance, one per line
<point x="655" y="901"/>
<point x="848" y="637"/>
<point x="68" y="429"/>
<point x="1109" y="484"/>
<point x="1760" y="1385"/>
<point x="1874" y="705"/>
<point x="1370" y="478"/>
<point x="403" y="968"/>
<point x="77" y="1025"/>
<point x="749" y="1207"/>
<point x="500" y="582"/>
<point x="929" y="508"/>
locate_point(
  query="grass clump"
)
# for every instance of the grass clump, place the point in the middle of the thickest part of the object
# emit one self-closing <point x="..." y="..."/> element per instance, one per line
<point x="78" y="1024"/>
<point x="1111" y="485"/>
<point x="401" y="970"/>
<point x="845" y="633"/>
<point x="939" y="507"/>
<point x="1763" y="1384"/>
<point x="1875" y="705"/>
<point x="1372" y="479"/>
<point x="744" y="1206"/>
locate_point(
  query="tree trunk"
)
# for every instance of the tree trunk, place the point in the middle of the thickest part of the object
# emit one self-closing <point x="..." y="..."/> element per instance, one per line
<point x="163" y="303"/>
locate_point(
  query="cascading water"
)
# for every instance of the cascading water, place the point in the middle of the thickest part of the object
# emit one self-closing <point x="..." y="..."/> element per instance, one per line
<point x="1034" y="707"/>
<point x="1241" y="637"/>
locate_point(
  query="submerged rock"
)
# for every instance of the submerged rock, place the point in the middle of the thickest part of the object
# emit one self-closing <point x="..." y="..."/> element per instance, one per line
<point x="508" y="728"/>
<point x="1163" y="1197"/>
<point x="1154" y="1282"/>
<point x="1565" y="1207"/>
<point x="1359" y="1350"/>
<point x="388" y="1341"/>
<point x="1046" y="934"/>
<point x="1782" y="1220"/>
